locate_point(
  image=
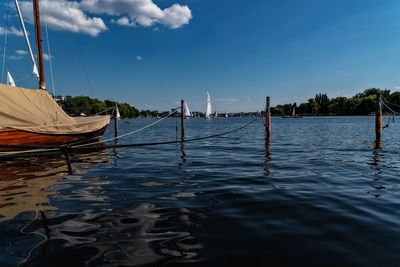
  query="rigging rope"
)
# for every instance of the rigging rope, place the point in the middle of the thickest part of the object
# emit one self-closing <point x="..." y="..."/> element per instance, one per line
<point x="25" y="77"/>
<point x="5" y="42"/>
<point x="80" y="50"/>
<point x="48" y="50"/>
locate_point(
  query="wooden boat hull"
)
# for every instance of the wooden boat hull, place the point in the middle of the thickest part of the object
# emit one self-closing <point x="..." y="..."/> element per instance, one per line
<point x="24" y="138"/>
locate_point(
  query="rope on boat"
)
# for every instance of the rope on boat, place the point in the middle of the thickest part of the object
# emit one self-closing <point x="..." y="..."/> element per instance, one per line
<point x="66" y="149"/>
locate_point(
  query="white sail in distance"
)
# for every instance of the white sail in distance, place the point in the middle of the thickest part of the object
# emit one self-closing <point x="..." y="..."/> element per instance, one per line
<point x="187" y="111"/>
<point x="117" y="115"/>
<point x="208" y="107"/>
<point x="10" y="80"/>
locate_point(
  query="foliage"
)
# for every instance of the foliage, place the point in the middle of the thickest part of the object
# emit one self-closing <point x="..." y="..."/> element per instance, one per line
<point x="361" y="104"/>
<point x="323" y="102"/>
<point x="84" y="105"/>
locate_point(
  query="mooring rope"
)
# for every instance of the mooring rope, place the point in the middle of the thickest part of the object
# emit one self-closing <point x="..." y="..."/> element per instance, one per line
<point x="129" y="133"/>
<point x="101" y="145"/>
<point x="169" y="142"/>
<point x="394" y="112"/>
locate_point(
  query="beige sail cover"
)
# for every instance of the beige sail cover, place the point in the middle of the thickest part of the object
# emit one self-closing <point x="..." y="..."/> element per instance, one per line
<point x="36" y="111"/>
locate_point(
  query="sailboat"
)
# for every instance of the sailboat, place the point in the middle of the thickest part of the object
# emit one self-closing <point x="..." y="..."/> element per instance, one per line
<point x="208" y="106"/>
<point x="293" y="114"/>
<point x="30" y="117"/>
<point x="186" y="110"/>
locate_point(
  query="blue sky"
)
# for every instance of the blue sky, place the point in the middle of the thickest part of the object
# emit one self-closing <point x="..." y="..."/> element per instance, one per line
<point x="155" y="54"/>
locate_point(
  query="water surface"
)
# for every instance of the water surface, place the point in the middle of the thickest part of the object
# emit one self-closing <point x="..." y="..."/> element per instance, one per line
<point x="321" y="192"/>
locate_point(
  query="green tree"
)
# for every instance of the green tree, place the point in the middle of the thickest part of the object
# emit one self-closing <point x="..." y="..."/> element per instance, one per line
<point x="372" y="92"/>
<point x="313" y="107"/>
<point x="337" y="106"/>
<point x="323" y="101"/>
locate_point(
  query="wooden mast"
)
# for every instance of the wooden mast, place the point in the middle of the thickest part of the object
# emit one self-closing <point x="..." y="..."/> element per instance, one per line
<point x="42" y="85"/>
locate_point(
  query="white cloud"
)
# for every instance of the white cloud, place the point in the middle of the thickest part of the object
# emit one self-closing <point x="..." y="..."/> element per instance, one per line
<point x="397" y="87"/>
<point x="227" y="100"/>
<point x="12" y="31"/>
<point x="125" y="21"/>
<point x="60" y="13"/>
<point x="176" y="16"/>
<point x="46" y="56"/>
<point x="21" y="52"/>
<point x="14" y="57"/>
<point x="139" y="58"/>
<point x="142" y="12"/>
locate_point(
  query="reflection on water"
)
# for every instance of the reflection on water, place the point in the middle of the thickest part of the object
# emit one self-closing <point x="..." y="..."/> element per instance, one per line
<point x="377" y="157"/>
<point x="24" y="182"/>
<point x="137" y="235"/>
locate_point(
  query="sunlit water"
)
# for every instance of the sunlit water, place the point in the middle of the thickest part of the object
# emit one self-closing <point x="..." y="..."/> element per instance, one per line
<point x="323" y="192"/>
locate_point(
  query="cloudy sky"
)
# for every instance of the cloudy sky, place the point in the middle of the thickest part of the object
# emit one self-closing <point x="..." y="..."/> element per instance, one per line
<point x="152" y="53"/>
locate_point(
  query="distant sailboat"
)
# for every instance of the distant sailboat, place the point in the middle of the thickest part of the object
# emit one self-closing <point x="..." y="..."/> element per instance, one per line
<point x="186" y="110"/>
<point x="117" y="115"/>
<point x="208" y="107"/>
<point x="293" y="114"/>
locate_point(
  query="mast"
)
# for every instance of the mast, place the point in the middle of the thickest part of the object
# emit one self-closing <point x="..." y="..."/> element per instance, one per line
<point x="42" y="85"/>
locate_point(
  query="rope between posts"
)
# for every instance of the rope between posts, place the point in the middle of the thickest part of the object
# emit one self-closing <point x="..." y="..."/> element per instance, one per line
<point x="170" y="142"/>
<point x="394" y="112"/>
<point x="64" y="149"/>
<point x="129" y="133"/>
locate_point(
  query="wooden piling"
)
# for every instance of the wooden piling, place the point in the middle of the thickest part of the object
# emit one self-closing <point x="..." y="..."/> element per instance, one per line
<point x="267" y="119"/>
<point x="116" y="120"/>
<point x="378" y="117"/>
<point x="182" y="120"/>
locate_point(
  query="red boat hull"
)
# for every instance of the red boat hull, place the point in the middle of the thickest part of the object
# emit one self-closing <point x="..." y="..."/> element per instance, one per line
<point x="24" y="138"/>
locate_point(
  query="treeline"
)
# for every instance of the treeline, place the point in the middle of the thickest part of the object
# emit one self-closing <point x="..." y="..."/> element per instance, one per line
<point x="84" y="105"/>
<point x="361" y="104"/>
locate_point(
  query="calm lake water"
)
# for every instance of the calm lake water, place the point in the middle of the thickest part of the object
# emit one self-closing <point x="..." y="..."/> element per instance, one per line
<point x="323" y="192"/>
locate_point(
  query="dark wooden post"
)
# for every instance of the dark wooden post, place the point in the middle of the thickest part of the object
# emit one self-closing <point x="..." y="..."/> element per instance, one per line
<point x="378" y="117"/>
<point x="115" y="120"/>
<point x="267" y="120"/>
<point x="182" y="119"/>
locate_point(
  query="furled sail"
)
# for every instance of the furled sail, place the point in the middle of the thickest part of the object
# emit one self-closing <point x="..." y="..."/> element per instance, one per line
<point x="208" y="108"/>
<point x="36" y="111"/>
